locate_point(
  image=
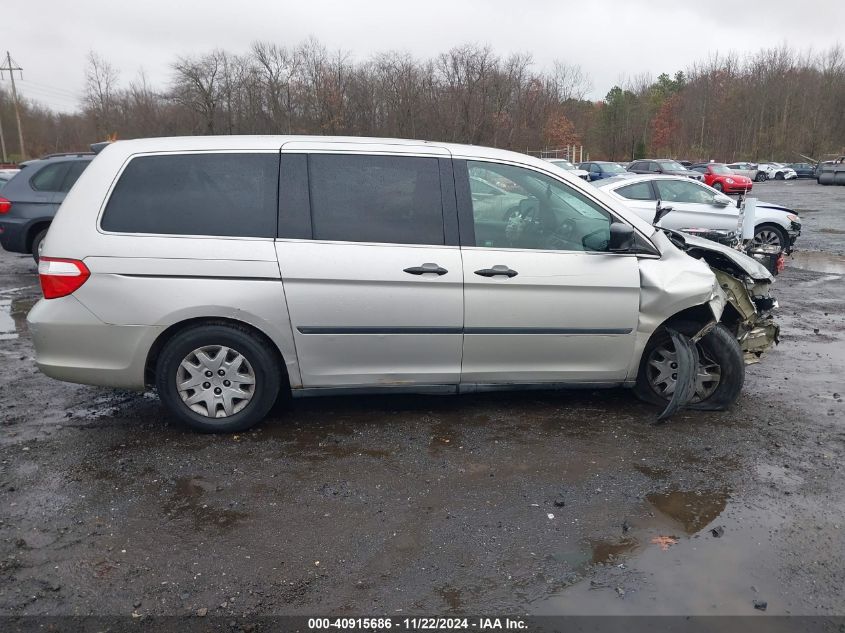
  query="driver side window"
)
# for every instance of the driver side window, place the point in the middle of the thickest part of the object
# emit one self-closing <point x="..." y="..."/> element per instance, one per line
<point x="683" y="191"/>
<point x="534" y="211"/>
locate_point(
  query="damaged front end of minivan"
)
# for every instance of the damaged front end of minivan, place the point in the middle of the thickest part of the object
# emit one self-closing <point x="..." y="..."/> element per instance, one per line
<point x="738" y="298"/>
<point x="746" y="284"/>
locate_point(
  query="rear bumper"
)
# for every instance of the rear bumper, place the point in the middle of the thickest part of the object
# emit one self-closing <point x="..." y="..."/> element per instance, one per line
<point x="13" y="233"/>
<point x="73" y="345"/>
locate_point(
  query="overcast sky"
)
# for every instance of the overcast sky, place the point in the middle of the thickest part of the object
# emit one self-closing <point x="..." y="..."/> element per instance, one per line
<point x="610" y="39"/>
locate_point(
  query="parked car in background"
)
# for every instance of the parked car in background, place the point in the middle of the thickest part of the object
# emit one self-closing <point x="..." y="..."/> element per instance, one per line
<point x="186" y="264"/>
<point x="832" y="172"/>
<point x="803" y="170"/>
<point x="718" y="176"/>
<point x="491" y="201"/>
<point x="696" y="206"/>
<point x="29" y="201"/>
<point x="663" y="166"/>
<point x="599" y="169"/>
<point x="777" y="171"/>
<point x="6" y="175"/>
<point x="568" y="166"/>
<point x="749" y="170"/>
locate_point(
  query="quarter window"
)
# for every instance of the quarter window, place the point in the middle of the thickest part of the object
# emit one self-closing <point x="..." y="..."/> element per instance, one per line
<point x="365" y="198"/>
<point x="196" y="194"/>
<point x="535" y="211"/>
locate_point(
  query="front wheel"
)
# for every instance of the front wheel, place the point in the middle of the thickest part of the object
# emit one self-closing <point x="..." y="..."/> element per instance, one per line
<point x="760" y="177"/>
<point x="769" y="235"/>
<point x="718" y="186"/>
<point x="218" y="378"/>
<point x="779" y="176"/>
<point x="719" y="375"/>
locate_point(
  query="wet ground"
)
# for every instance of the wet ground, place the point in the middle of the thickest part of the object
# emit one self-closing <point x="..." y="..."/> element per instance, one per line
<point x="571" y="502"/>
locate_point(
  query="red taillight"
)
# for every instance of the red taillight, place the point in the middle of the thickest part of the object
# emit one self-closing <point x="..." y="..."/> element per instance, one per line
<point x="61" y="277"/>
<point x="5" y="205"/>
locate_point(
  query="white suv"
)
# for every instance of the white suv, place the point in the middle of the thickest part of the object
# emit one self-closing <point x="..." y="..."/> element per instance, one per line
<point x="222" y="269"/>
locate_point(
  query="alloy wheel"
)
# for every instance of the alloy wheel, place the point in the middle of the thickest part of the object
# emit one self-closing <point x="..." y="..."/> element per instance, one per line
<point x="767" y="237"/>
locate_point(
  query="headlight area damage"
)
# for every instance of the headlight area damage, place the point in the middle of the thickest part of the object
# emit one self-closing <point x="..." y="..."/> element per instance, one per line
<point x="739" y="299"/>
<point x="746" y="284"/>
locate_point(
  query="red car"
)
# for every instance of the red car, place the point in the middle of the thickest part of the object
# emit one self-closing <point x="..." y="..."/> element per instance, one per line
<point x="718" y="176"/>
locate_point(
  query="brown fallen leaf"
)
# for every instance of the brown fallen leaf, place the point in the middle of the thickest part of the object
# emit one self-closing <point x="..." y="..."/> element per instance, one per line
<point x="665" y="542"/>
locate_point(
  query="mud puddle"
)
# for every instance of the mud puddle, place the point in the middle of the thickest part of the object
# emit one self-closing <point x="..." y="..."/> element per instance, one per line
<point x="817" y="262"/>
<point x="13" y="313"/>
<point x="691" y="553"/>
<point x="8" y="330"/>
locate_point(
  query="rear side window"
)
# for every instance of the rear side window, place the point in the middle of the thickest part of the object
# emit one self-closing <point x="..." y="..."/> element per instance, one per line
<point x="637" y="191"/>
<point x="73" y="174"/>
<point x="196" y="194"/>
<point x="363" y="198"/>
<point x="50" y="177"/>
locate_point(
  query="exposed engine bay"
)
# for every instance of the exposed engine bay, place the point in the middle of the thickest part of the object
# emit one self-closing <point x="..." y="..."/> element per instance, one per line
<point x="747" y="285"/>
<point x="739" y="299"/>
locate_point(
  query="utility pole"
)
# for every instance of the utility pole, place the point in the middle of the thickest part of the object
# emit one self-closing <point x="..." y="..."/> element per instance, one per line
<point x="3" y="139"/>
<point x="12" y="70"/>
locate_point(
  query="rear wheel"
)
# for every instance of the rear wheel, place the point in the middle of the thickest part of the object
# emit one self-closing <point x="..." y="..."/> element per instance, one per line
<point x="218" y="378"/>
<point x="769" y="235"/>
<point x="719" y="375"/>
<point x="37" y="243"/>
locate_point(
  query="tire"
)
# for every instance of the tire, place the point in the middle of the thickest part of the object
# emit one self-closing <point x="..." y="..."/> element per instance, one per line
<point x="720" y="356"/>
<point x="257" y="362"/>
<point x="770" y="235"/>
<point x="779" y="176"/>
<point x="718" y="186"/>
<point x="760" y="177"/>
<point x="36" y="244"/>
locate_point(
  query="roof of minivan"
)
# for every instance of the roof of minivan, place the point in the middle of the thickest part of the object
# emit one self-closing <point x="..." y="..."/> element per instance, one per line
<point x="269" y="142"/>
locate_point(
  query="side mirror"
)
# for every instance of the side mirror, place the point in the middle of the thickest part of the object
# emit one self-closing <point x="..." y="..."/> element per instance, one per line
<point x="721" y="201"/>
<point x="621" y="237"/>
<point x="661" y="212"/>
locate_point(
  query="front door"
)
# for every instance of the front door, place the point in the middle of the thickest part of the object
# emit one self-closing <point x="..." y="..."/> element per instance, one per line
<point x="373" y="277"/>
<point x="544" y="300"/>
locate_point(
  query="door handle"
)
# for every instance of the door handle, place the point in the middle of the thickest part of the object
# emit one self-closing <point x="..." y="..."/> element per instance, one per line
<point x="496" y="271"/>
<point x="425" y="269"/>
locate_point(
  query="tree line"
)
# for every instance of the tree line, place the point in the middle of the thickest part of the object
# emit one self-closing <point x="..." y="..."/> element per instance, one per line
<point x="771" y="105"/>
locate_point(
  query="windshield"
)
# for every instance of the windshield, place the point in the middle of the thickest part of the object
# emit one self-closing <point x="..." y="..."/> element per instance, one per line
<point x="720" y="169"/>
<point x="613" y="168"/>
<point x="563" y="164"/>
<point x="670" y="165"/>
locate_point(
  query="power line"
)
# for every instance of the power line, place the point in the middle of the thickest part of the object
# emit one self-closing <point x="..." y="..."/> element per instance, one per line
<point x="45" y="96"/>
<point x="34" y="85"/>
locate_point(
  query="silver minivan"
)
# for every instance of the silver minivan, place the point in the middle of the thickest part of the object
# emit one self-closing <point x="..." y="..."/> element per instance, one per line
<point x="222" y="270"/>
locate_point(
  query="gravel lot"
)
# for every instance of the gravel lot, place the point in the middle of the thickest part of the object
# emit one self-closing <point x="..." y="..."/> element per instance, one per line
<point x="523" y="503"/>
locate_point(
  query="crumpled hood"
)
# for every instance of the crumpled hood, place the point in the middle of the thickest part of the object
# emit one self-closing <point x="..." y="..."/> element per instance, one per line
<point x="751" y="266"/>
